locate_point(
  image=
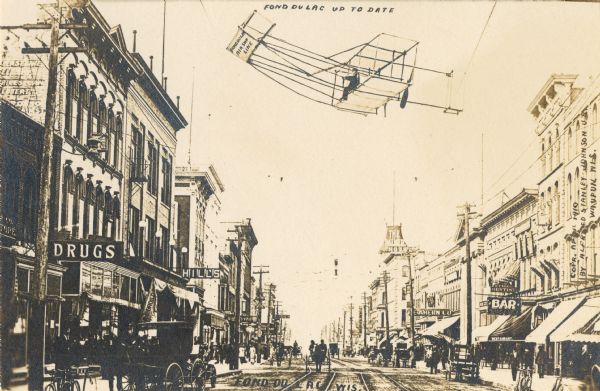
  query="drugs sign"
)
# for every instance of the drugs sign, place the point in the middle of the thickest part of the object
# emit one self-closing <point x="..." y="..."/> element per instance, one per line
<point x="85" y="250"/>
<point x="504" y="305"/>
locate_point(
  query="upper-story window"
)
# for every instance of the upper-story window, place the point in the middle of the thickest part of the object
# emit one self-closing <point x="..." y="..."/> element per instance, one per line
<point x="550" y="155"/>
<point x="570" y="146"/>
<point x="137" y="157"/>
<point x="93" y="115"/>
<point x="71" y="107"/>
<point x="118" y="133"/>
<point x="558" y="141"/>
<point x="82" y="111"/>
<point x="543" y="158"/>
<point x="167" y="172"/>
<point x="152" y="167"/>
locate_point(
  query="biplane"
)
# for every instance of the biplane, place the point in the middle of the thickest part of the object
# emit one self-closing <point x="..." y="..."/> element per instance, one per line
<point x="362" y="79"/>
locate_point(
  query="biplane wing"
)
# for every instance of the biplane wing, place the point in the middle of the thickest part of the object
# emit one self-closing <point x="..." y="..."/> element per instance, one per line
<point x="361" y="79"/>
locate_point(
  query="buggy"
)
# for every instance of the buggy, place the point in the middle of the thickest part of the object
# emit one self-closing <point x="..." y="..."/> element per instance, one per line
<point x="161" y="359"/>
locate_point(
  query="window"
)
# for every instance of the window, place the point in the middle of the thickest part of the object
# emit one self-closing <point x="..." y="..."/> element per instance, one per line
<point x="88" y="208"/>
<point x="137" y="158"/>
<point x="98" y="212"/>
<point x="550" y="156"/>
<point x="78" y="201"/>
<point x="134" y="229"/>
<point x="165" y="247"/>
<point x="404" y="271"/>
<point x="151" y="239"/>
<point x="108" y="215"/>
<point x="71" y="107"/>
<point x="152" y="167"/>
<point x="68" y="189"/>
<point x="116" y="213"/>
<point x="92" y="115"/>
<point x="543" y="158"/>
<point x="165" y="193"/>
<point x="118" y="133"/>
<point x="82" y="111"/>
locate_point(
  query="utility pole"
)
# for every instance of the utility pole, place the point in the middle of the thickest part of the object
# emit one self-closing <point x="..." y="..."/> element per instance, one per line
<point x="261" y="298"/>
<point x="269" y="304"/>
<point x="466" y="214"/>
<point x="387" y="319"/>
<point x="365" y="321"/>
<point x="344" y="335"/>
<point x="238" y="295"/>
<point x="412" y="297"/>
<point x="351" y="306"/>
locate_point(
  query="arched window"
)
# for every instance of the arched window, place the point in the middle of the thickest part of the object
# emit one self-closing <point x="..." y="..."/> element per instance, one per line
<point x="71" y="103"/>
<point x="82" y="111"/>
<point x="118" y="134"/>
<point x="29" y="206"/>
<point x="110" y="130"/>
<point x="68" y="190"/>
<point x="98" y="224"/>
<point x="543" y="159"/>
<point x="116" y="213"/>
<point x="90" y="201"/>
<point x="557" y="141"/>
<point x="577" y="138"/>
<point x="550" y="211"/>
<point x="78" y="199"/>
<point x="570" y="153"/>
<point x="93" y="115"/>
<point x="550" y="156"/>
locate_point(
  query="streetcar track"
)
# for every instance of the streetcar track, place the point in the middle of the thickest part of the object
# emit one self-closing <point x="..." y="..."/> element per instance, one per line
<point x="333" y="373"/>
<point x="364" y="381"/>
<point x="298" y="380"/>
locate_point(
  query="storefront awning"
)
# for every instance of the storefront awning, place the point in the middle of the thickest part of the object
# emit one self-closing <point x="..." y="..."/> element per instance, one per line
<point x="214" y="318"/>
<point x="583" y="315"/>
<point x="482" y="333"/>
<point x="441" y="326"/>
<point x="181" y="293"/>
<point x="509" y="273"/>
<point x="564" y="310"/>
<point x="516" y="327"/>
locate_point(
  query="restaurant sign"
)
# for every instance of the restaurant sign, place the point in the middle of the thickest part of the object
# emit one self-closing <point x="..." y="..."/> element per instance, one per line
<point x="502" y="287"/>
<point x="85" y="250"/>
<point x="504" y="305"/>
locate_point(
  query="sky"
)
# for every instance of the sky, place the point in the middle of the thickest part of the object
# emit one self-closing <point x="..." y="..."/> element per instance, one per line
<point x="318" y="183"/>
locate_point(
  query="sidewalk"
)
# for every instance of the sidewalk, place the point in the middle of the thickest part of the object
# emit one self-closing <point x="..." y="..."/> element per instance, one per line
<point x="98" y="384"/>
<point x="503" y="377"/>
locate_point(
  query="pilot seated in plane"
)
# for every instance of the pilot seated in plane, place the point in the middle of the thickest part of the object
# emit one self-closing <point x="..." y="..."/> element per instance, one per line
<point x="353" y="82"/>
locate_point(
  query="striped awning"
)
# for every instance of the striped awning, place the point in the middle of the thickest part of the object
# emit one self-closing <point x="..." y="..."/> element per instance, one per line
<point x="509" y="273"/>
<point x="516" y="328"/>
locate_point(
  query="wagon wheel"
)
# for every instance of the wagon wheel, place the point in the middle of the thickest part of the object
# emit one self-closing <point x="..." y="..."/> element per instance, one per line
<point x="128" y="383"/>
<point x="174" y="379"/>
<point x="197" y="376"/>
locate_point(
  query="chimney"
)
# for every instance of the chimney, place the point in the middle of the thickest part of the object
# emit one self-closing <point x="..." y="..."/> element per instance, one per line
<point x="165" y="83"/>
<point x="151" y="61"/>
<point x="134" y="40"/>
<point x="177" y="102"/>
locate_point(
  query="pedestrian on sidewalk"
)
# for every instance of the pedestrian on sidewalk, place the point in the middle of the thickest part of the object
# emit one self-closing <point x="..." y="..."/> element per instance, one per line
<point x="540" y="361"/>
<point x="515" y="362"/>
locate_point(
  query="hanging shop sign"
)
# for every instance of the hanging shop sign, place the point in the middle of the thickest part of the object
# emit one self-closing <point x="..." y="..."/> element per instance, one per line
<point x="503" y="287"/>
<point x="85" y="250"/>
<point x="504" y="305"/>
<point x="201" y="272"/>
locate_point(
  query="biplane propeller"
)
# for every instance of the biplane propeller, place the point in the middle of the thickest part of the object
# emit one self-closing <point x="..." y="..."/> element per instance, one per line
<point x="361" y="80"/>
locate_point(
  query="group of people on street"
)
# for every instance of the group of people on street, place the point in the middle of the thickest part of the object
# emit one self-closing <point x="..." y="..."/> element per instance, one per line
<point x="318" y="353"/>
